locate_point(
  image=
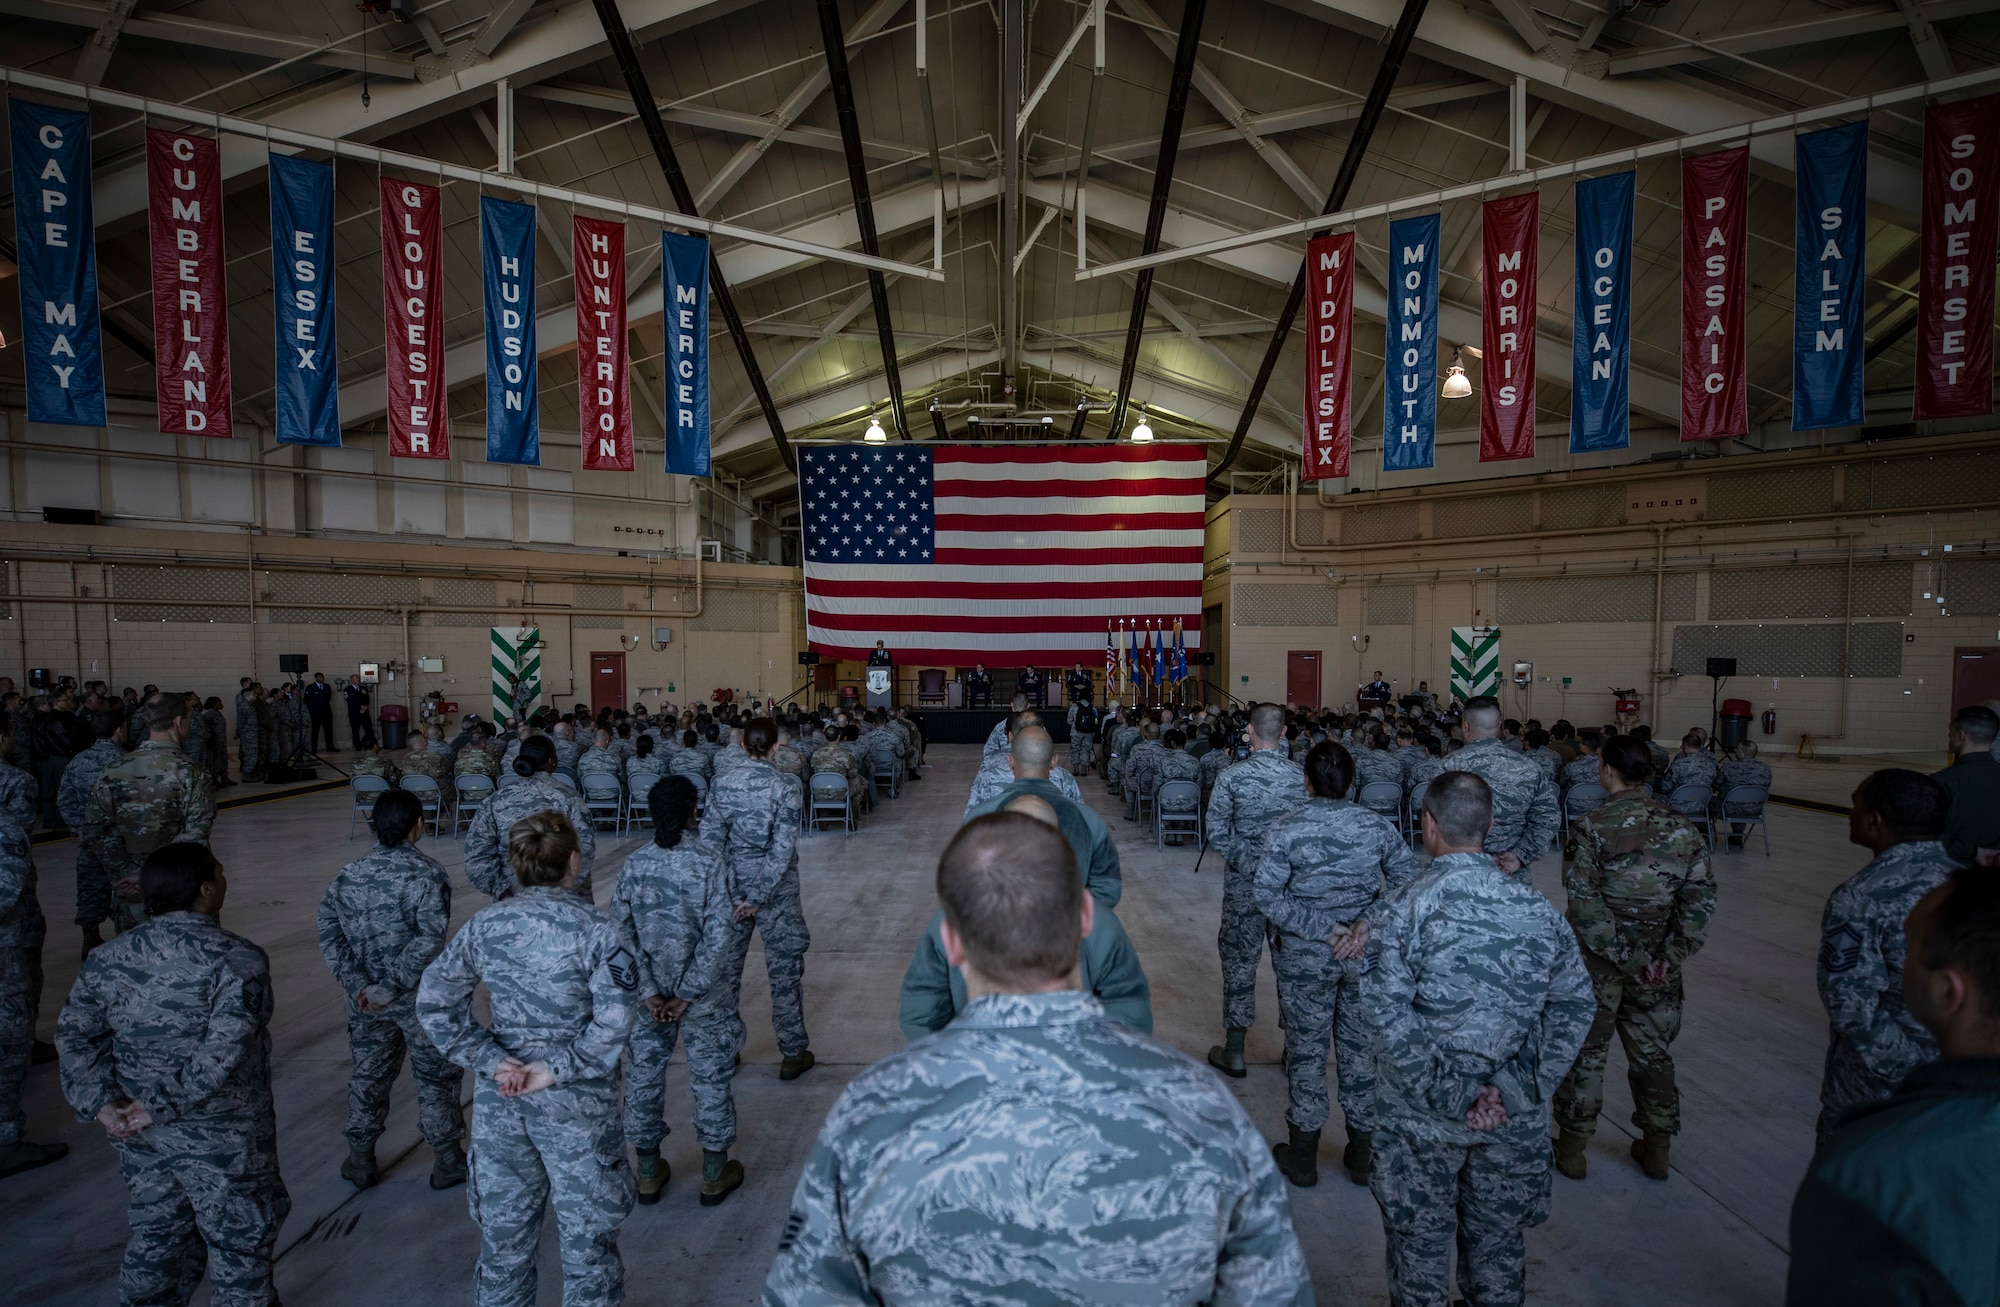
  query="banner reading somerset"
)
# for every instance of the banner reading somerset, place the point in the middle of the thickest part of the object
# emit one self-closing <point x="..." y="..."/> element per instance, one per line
<point x="1509" y="265"/>
<point x="1330" y="355"/>
<point x="1715" y="395"/>
<point x="412" y="315"/>
<point x="1955" y="279"/>
<point x="603" y="387"/>
<point x="190" y="306"/>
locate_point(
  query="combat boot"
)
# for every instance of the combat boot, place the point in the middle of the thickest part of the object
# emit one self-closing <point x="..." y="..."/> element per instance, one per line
<point x="1227" y="1057"/>
<point x="23" y="1156"/>
<point x="1359" y="1155"/>
<point x="1298" y="1158"/>
<point x="1570" y="1159"/>
<point x="652" y="1172"/>
<point x="1651" y="1154"/>
<point x="794" y="1067"/>
<point x="448" y="1167"/>
<point x="359" y="1169"/>
<point x="721" y="1176"/>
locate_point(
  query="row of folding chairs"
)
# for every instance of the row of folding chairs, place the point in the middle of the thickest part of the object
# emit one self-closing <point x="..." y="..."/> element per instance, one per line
<point x="829" y="804"/>
<point x="1700" y="805"/>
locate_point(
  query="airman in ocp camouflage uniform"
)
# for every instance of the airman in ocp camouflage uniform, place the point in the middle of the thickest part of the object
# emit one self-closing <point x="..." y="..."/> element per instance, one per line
<point x="381" y="922"/>
<point x="175" y="1014"/>
<point x="216" y="761"/>
<point x="832" y="758"/>
<point x="21" y="927"/>
<point x="476" y="760"/>
<point x="372" y="763"/>
<point x="1640" y="898"/>
<point x="150" y="797"/>
<point x="93" y="885"/>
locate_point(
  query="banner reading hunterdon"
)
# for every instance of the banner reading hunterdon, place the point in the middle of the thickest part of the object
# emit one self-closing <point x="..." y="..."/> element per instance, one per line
<point x="684" y="280"/>
<point x="55" y="236"/>
<point x="307" y="407"/>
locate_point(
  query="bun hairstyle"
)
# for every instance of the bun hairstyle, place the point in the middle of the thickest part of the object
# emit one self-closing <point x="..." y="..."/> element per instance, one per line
<point x="1629" y="757"/>
<point x="539" y="848"/>
<point x="670" y="803"/>
<point x="535" y="756"/>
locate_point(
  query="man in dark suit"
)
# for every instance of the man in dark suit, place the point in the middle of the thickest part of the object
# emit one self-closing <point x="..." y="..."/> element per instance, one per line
<point x="360" y="729"/>
<point x="319" y="707"/>
<point x="979" y="687"/>
<point x="881" y="657"/>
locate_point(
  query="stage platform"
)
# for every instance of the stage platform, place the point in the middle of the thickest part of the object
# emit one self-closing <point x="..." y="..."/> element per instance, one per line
<point x="973" y="725"/>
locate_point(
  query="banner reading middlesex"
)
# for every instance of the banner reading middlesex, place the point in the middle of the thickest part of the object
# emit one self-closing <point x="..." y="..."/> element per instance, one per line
<point x="55" y="234"/>
<point x="1329" y="355"/>
<point x="412" y="318"/>
<point x="190" y="306"/>
<point x="1715" y="394"/>
<point x="1510" y="261"/>
<point x="603" y="389"/>
<point x="1409" y="396"/>
<point x="513" y="407"/>
<point x="1600" y="413"/>
<point x="1831" y="258"/>
<point x="1955" y="277"/>
<point x="307" y="407"/>
<point x="684" y="281"/>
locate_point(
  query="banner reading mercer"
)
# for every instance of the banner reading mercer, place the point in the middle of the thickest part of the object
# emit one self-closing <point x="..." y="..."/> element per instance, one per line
<point x="1329" y="355"/>
<point x="412" y="320"/>
<point x="684" y="280"/>
<point x="1955" y="278"/>
<point x="55" y="238"/>
<point x="1715" y="391"/>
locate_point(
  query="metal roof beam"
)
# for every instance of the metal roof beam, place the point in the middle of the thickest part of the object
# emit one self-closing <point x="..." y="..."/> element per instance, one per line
<point x="206" y="34"/>
<point x="1837" y="26"/>
<point x="97" y="51"/>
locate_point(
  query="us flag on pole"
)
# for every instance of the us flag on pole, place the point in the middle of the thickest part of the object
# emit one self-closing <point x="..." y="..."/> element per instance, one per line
<point x="997" y="553"/>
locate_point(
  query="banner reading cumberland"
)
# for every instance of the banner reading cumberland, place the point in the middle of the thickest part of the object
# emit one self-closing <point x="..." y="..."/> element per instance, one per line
<point x="190" y="305"/>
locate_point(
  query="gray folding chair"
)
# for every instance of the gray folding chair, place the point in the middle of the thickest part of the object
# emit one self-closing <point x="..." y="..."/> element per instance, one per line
<point x="1178" y="819"/>
<point x="473" y="790"/>
<point x="636" y="811"/>
<point x="1744" y="796"/>
<point x="1691" y="801"/>
<point x="828" y="801"/>
<point x="1584" y="798"/>
<point x="1384" y="797"/>
<point x="888" y="775"/>
<point x="366" y="789"/>
<point x="604" y="800"/>
<point x="1414" y="822"/>
<point x="430" y="795"/>
<point x="566" y="778"/>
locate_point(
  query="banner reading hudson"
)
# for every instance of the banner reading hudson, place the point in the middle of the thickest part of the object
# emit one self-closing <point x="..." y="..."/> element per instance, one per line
<point x="1715" y="396"/>
<point x="412" y="317"/>
<point x="1955" y="281"/>
<point x="190" y="306"/>
<point x="603" y="387"/>
<point x="1330" y="357"/>
<point x="1509" y="264"/>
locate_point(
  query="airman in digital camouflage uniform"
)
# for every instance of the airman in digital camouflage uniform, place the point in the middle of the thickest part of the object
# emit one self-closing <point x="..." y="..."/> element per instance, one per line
<point x="1090" y="840"/>
<point x="602" y="758"/>
<point x="1142" y="768"/>
<point x="830" y="757"/>
<point x="1375" y="763"/>
<point x="1741" y="769"/>
<point x="752" y="817"/>
<point x="792" y="760"/>
<point x="1640" y="898"/>
<point x="1124" y="735"/>
<point x="1583" y="771"/>
<point x="166" y="1042"/>
<point x="1526" y="815"/>
<point x="249" y="760"/>
<point x="1035" y="1149"/>
<point x="996" y="739"/>
<point x="1248" y="800"/>
<point x="79" y="778"/>
<point x="1082" y="738"/>
<point x="217" y="759"/>
<point x="152" y="796"/>
<point x="1479" y="1000"/>
<point x="1693" y="765"/>
<point x="486" y="859"/>
<point x="1322" y="869"/>
<point x="996" y="772"/>
<point x="564" y="989"/>
<point x="381" y="922"/>
<point x="673" y="900"/>
<point x="1898" y="815"/>
<point x="20" y="925"/>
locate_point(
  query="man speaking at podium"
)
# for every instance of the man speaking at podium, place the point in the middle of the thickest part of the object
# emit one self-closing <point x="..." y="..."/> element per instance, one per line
<point x="881" y="657"/>
<point x="880" y="663"/>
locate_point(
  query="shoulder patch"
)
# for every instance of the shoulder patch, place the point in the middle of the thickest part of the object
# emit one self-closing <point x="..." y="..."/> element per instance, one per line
<point x="1841" y="949"/>
<point x="624" y="968"/>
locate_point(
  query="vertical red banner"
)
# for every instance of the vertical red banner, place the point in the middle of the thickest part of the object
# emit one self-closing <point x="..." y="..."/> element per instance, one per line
<point x="413" y="320"/>
<point x="1509" y="264"/>
<point x="190" y="304"/>
<point x="1955" y="277"/>
<point x="603" y="385"/>
<point x="1329" y="356"/>
<point x="1715" y="391"/>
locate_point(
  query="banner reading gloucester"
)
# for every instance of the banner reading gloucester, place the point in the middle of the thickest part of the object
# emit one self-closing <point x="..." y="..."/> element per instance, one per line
<point x="1509" y="265"/>
<point x="1955" y="278"/>
<point x="1330" y="360"/>
<point x="412" y="311"/>
<point x="1715" y="395"/>
<point x="190" y="306"/>
<point x="603" y="387"/>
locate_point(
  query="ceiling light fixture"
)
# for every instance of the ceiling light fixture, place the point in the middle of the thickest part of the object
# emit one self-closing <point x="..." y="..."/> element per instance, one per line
<point x="1455" y="384"/>
<point x="1142" y="434"/>
<point x="875" y="435"/>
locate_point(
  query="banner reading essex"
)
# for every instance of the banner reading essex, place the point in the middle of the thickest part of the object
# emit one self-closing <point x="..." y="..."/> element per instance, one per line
<point x="1831" y="256"/>
<point x="55" y="235"/>
<point x="1329" y="426"/>
<point x="190" y="306"/>
<point x="1600" y="413"/>
<point x="1955" y="276"/>
<point x="1715" y="394"/>
<point x="307" y="404"/>
<point x="412" y="317"/>
<point x="1409" y="397"/>
<point x="507" y="256"/>
<point x="684" y="282"/>
<point x="603" y="387"/>
<point x="1509" y="264"/>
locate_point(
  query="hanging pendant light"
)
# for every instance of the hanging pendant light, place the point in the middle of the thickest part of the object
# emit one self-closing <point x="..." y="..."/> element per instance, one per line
<point x="1142" y="434"/>
<point x="875" y="435"/>
<point x="1456" y="386"/>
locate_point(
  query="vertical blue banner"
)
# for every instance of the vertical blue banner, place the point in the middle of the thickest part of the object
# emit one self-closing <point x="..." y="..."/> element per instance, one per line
<point x="1409" y="396"/>
<point x="307" y="384"/>
<point x="1600" y="410"/>
<point x="507" y="274"/>
<point x="55" y="234"/>
<point x="1827" y="344"/>
<point x="684" y="279"/>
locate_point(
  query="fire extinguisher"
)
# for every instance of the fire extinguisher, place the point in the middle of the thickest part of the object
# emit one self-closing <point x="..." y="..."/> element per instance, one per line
<point x="1770" y="721"/>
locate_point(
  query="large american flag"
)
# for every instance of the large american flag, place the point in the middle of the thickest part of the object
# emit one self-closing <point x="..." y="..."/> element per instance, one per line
<point x="1007" y="554"/>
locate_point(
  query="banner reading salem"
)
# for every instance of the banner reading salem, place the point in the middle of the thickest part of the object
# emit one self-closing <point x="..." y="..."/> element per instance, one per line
<point x="190" y="306"/>
<point x="307" y="410"/>
<point x="603" y="387"/>
<point x="1600" y="414"/>
<point x="684" y="280"/>
<point x="55" y="234"/>
<point x="1831" y="256"/>
<point x="513" y="403"/>
<point x="1409" y="399"/>
<point x="1330" y="359"/>
<point x="1715" y="394"/>
<point x="1510" y="262"/>
<point x="412" y="316"/>
<point x="1955" y="278"/>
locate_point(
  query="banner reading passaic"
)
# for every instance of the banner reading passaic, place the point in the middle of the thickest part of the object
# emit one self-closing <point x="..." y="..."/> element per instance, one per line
<point x="190" y="305"/>
<point x="55" y="236"/>
<point x="1329" y="425"/>
<point x="412" y="318"/>
<point x="603" y="387"/>
<point x="1955" y="278"/>
<point x="1509" y="266"/>
<point x="306" y="410"/>
<point x="1715" y="392"/>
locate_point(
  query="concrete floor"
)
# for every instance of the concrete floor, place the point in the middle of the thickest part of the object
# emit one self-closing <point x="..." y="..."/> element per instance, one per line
<point x="1749" y="1055"/>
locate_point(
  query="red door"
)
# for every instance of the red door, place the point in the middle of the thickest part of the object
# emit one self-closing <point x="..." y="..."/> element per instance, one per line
<point x="1975" y="676"/>
<point x="607" y="682"/>
<point x="1302" y="678"/>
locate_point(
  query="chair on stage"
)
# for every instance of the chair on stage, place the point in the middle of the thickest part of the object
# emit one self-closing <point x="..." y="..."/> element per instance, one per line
<point x="930" y="687"/>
